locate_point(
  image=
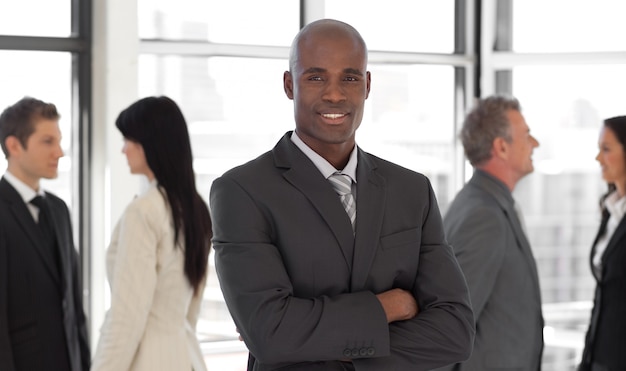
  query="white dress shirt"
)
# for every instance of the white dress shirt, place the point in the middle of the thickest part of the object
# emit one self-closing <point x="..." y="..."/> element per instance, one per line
<point x="324" y="166"/>
<point x="617" y="208"/>
<point x="25" y="192"/>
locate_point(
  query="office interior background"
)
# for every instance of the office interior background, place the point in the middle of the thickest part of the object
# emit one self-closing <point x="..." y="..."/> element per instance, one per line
<point x="223" y="61"/>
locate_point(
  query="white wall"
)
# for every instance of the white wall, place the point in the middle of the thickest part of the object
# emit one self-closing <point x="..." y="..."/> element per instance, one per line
<point x="114" y="88"/>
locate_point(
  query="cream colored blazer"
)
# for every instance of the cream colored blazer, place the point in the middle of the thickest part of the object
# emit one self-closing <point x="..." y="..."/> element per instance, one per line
<point x="151" y="323"/>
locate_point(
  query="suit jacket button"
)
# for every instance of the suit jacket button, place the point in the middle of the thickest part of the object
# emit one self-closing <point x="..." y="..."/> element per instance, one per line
<point x="355" y="352"/>
<point x="371" y="351"/>
<point x="363" y="352"/>
<point x="347" y="352"/>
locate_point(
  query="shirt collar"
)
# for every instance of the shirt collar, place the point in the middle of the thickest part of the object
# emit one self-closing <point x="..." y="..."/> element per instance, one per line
<point x="615" y="205"/>
<point x="322" y="164"/>
<point x="26" y="192"/>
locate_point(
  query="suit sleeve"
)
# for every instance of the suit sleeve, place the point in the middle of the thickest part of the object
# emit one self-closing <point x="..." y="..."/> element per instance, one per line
<point x="443" y="331"/>
<point x="6" y="352"/>
<point x="478" y="242"/>
<point x="276" y="325"/>
<point x="132" y="290"/>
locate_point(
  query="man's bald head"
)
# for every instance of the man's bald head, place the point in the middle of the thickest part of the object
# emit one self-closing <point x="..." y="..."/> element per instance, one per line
<point x="323" y="28"/>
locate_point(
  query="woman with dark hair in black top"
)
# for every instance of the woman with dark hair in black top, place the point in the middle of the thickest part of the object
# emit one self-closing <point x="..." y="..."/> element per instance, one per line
<point x="605" y="345"/>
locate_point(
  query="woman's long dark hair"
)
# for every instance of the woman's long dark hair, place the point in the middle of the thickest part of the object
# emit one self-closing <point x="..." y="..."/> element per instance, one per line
<point x="159" y="126"/>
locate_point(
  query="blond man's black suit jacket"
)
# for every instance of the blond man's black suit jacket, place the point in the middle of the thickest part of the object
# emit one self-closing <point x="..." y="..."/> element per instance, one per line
<point x="301" y="287"/>
<point x="42" y="323"/>
<point x="605" y="343"/>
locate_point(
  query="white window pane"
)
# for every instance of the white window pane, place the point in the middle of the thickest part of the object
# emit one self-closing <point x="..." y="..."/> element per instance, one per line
<point x="268" y="22"/>
<point x="409" y="120"/>
<point x="399" y="25"/>
<point x="45" y="76"/>
<point x="36" y="18"/>
<point x="236" y="107"/>
<point x="568" y="25"/>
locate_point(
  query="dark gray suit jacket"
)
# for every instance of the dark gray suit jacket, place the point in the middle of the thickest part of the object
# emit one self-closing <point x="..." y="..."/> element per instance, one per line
<point x="42" y="323"/>
<point x="605" y="343"/>
<point x="487" y="238"/>
<point x="284" y="248"/>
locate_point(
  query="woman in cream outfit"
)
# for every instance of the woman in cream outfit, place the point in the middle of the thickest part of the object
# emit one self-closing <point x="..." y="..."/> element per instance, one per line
<point x="156" y="275"/>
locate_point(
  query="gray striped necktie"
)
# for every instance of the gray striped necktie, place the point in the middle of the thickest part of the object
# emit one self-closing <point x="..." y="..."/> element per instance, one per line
<point x="343" y="186"/>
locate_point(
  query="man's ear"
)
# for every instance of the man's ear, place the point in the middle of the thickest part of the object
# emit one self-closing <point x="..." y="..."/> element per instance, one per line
<point x="288" y="84"/>
<point x="500" y="148"/>
<point x="13" y="145"/>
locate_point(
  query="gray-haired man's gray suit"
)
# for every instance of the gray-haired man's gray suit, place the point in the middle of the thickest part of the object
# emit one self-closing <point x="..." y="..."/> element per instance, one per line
<point x="484" y="230"/>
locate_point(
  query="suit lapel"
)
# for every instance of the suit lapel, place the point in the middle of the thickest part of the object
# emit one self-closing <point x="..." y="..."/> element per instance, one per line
<point x="369" y="219"/>
<point x="522" y="241"/>
<point x="601" y="231"/>
<point x="27" y="223"/>
<point x="617" y="236"/>
<point x="303" y="175"/>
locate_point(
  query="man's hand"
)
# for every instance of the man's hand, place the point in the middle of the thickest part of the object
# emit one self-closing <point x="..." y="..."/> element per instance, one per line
<point x="398" y="304"/>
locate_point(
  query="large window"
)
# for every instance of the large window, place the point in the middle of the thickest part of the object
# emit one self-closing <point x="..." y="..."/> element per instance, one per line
<point x="568" y="80"/>
<point x="560" y="200"/>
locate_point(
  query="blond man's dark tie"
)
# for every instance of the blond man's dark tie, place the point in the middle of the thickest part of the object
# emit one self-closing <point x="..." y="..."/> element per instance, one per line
<point x="45" y="225"/>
